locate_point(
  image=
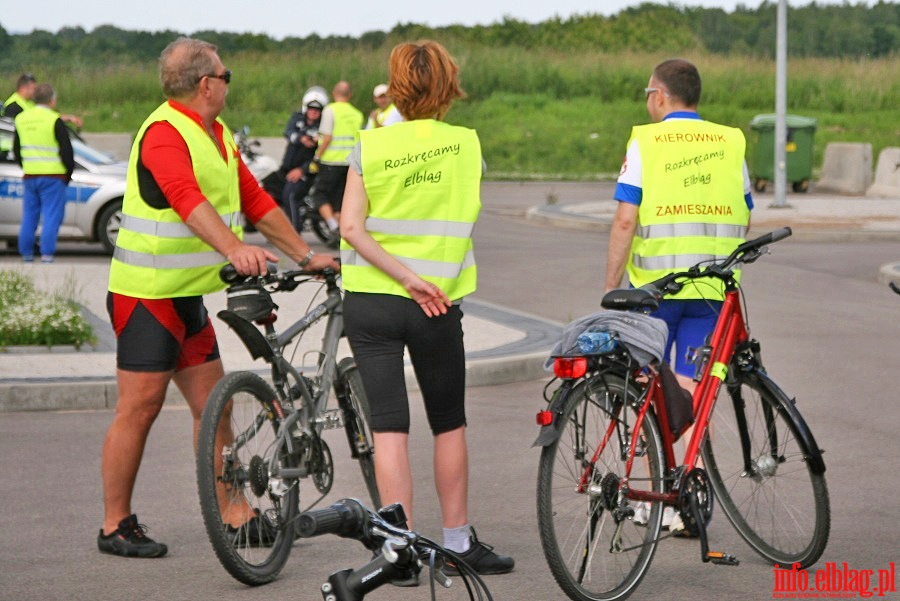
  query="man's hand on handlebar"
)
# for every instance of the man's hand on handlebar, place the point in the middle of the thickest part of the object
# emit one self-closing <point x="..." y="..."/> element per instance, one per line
<point x="322" y="261"/>
<point x="251" y="260"/>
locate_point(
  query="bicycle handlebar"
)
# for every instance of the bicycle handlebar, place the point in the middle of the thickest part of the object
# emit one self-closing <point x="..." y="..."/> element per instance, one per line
<point x="398" y="550"/>
<point x="230" y="276"/>
<point x="747" y="252"/>
<point x="346" y="518"/>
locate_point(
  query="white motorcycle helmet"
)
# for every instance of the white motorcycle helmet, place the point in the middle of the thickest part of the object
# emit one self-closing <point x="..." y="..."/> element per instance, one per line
<point x="317" y="95"/>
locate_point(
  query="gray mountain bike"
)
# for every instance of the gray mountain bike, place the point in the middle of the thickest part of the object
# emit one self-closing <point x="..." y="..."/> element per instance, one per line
<point x="259" y="439"/>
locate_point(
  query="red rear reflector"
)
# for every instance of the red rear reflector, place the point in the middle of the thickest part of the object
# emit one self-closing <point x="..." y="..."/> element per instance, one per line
<point x="570" y="367"/>
<point x="544" y="418"/>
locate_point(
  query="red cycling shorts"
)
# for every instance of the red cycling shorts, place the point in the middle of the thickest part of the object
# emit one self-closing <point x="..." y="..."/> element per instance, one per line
<point x="161" y="334"/>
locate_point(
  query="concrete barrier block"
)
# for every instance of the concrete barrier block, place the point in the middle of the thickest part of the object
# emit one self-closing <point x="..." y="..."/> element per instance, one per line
<point x="847" y="168"/>
<point x="887" y="174"/>
<point x="118" y="146"/>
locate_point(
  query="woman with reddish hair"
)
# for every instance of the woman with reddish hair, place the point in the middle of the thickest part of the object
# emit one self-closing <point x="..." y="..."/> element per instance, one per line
<point x="411" y="202"/>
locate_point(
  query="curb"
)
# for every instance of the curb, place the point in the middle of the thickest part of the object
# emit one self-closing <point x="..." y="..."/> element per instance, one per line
<point x="517" y="361"/>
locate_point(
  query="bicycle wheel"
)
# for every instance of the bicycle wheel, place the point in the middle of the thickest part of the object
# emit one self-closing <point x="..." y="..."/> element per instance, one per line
<point x="595" y="549"/>
<point x="356" y="422"/>
<point x="774" y="498"/>
<point x="248" y="513"/>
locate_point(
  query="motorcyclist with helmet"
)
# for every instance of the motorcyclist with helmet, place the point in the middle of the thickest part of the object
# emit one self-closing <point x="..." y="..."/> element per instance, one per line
<point x="302" y="133"/>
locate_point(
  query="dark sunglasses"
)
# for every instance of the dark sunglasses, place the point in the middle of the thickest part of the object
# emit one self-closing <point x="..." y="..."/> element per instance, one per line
<point x="226" y="76"/>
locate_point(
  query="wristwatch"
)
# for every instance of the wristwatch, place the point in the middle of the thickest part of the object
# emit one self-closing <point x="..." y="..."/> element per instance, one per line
<point x="305" y="260"/>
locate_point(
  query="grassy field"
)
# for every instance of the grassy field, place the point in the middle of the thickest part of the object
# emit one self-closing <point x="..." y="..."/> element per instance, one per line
<point x="539" y="114"/>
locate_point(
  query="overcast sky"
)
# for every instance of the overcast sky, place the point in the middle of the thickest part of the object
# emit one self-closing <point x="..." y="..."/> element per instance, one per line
<point x="280" y="18"/>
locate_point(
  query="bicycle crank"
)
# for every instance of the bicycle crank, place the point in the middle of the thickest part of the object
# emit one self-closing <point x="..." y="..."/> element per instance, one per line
<point x="695" y="507"/>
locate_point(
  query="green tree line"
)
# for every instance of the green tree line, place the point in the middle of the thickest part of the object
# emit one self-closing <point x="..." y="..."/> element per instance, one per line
<point x="815" y="30"/>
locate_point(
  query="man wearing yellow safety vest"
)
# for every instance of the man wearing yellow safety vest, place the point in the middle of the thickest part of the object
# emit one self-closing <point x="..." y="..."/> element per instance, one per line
<point x="23" y="99"/>
<point x="186" y="190"/>
<point x="42" y="147"/>
<point x="338" y="134"/>
<point x="684" y="196"/>
<point x="385" y="112"/>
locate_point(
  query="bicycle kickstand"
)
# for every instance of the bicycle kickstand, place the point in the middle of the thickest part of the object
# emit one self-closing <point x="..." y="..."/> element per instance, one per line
<point x="716" y="557"/>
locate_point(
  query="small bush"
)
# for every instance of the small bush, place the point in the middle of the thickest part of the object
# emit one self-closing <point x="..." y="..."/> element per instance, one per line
<point x="30" y="317"/>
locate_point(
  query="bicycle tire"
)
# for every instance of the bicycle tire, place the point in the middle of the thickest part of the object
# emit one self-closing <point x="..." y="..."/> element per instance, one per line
<point x="781" y="507"/>
<point x="255" y="552"/>
<point x="576" y="534"/>
<point x="356" y="422"/>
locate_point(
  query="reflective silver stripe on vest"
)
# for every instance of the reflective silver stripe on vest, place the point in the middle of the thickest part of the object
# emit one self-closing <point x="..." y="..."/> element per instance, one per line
<point x="706" y="230"/>
<point x="160" y="229"/>
<point x="405" y="227"/>
<point x="422" y="267"/>
<point x="41" y="148"/>
<point x="53" y="159"/>
<point x="185" y="261"/>
<point x="672" y="262"/>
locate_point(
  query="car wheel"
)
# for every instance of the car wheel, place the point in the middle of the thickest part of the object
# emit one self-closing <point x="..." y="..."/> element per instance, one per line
<point x="108" y="225"/>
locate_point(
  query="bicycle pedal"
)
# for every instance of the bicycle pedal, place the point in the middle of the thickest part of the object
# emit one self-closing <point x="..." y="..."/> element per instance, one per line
<point x="722" y="559"/>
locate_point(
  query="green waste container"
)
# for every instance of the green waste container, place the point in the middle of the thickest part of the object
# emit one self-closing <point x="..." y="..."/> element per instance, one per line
<point x="798" y="150"/>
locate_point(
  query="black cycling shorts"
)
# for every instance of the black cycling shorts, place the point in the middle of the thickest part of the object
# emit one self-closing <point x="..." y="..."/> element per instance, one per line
<point x="379" y="327"/>
<point x="164" y="334"/>
<point x="329" y="187"/>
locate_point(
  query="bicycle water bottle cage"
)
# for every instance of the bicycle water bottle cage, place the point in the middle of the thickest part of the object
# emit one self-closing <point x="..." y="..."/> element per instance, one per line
<point x="630" y="299"/>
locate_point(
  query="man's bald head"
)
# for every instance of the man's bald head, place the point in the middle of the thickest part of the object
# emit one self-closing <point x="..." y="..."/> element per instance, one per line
<point x="182" y="64"/>
<point x="342" y="91"/>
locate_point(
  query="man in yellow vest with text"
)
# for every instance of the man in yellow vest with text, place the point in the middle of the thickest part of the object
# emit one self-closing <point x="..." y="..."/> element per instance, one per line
<point x="684" y="196"/>
<point x="43" y="149"/>
<point x="338" y="134"/>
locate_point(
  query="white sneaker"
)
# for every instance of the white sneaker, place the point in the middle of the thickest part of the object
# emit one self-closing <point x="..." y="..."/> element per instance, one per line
<point x="670" y="516"/>
<point x="641" y="513"/>
<point x="675" y="524"/>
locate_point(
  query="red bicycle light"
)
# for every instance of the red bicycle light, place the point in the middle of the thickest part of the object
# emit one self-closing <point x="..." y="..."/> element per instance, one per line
<point x="570" y="367"/>
<point x="544" y="418"/>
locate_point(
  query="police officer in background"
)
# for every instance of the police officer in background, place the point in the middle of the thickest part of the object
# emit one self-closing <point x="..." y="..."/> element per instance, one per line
<point x="186" y="190"/>
<point x="23" y="99"/>
<point x="302" y="133"/>
<point x="684" y="196"/>
<point x="43" y="149"/>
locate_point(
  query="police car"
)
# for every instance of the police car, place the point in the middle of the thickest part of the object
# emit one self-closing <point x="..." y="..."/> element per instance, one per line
<point x="93" y="197"/>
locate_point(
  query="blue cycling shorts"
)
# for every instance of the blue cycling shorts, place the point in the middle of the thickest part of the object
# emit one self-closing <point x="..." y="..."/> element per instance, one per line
<point x="690" y="322"/>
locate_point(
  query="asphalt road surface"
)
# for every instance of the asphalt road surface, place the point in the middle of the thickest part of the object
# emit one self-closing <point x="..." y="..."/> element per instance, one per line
<point x="830" y="334"/>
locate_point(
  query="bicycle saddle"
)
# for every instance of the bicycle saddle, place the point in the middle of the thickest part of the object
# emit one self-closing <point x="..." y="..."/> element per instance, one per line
<point x="630" y="299"/>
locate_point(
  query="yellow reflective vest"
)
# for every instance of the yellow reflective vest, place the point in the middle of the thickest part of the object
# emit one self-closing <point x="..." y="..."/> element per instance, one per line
<point x="347" y="121"/>
<point x="422" y="179"/>
<point x="38" y="145"/>
<point x="157" y="255"/>
<point x="693" y="207"/>
<point x="17" y="99"/>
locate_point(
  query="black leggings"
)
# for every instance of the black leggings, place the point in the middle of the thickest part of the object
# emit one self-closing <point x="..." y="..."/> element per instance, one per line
<point x="378" y="327"/>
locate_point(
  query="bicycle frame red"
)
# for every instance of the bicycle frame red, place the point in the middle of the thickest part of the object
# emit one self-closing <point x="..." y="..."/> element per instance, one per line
<point x="730" y="331"/>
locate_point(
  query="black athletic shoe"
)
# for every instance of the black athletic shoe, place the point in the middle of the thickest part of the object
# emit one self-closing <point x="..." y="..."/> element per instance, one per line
<point x="481" y="558"/>
<point x="130" y="540"/>
<point x="258" y="531"/>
